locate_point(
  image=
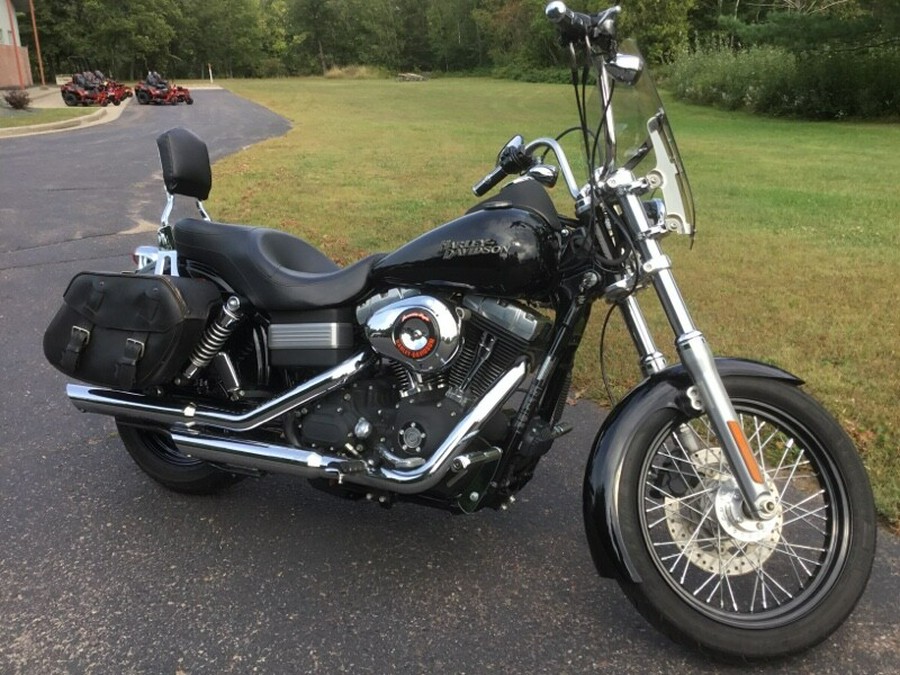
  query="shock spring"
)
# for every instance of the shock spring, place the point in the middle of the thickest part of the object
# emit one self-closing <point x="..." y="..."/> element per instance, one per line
<point x="215" y="337"/>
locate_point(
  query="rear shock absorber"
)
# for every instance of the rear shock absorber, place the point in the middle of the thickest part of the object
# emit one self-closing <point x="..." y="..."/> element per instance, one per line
<point x="214" y="338"/>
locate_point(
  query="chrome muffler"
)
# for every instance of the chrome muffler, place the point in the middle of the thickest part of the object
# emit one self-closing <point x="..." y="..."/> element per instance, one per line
<point x="262" y="456"/>
<point x="129" y="405"/>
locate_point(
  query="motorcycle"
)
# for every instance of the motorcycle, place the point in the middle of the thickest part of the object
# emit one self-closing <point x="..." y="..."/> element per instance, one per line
<point x="729" y="505"/>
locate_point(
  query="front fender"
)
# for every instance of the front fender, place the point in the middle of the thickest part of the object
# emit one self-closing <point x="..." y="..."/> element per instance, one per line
<point x="665" y="390"/>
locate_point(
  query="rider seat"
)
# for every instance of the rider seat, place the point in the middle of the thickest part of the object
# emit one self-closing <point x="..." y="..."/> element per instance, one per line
<point x="274" y="270"/>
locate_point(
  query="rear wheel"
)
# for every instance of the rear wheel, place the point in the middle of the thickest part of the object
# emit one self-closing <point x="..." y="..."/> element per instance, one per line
<point x="143" y="97"/>
<point x="70" y="98"/>
<point x="715" y="578"/>
<point x="155" y="453"/>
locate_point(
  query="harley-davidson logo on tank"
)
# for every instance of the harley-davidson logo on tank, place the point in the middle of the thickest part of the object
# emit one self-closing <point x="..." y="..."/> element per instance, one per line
<point x="455" y="248"/>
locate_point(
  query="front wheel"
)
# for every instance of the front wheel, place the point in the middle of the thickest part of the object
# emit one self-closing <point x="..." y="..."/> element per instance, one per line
<point x="715" y="578"/>
<point x="155" y="453"/>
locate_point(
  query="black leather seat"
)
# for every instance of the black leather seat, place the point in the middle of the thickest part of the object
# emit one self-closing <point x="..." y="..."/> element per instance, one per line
<point x="274" y="270"/>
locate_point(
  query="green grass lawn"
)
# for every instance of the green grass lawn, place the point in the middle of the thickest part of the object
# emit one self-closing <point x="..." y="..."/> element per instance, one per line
<point x="794" y="263"/>
<point x="24" y="118"/>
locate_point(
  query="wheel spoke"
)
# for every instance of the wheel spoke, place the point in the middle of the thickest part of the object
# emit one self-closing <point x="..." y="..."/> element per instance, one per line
<point x="727" y="566"/>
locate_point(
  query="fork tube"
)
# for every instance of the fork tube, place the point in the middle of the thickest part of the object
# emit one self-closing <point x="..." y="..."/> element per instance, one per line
<point x="652" y="360"/>
<point x="698" y="360"/>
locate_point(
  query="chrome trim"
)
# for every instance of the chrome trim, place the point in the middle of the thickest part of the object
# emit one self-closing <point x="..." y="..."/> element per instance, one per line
<point x="302" y="462"/>
<point x="127" y="404"/>
<point x="383" y="331"/>
<point x="203" y="213"/>
<point x="564" y="165"/>
<point x="310" y="335"/>
<point x="698" y="361"/>
<point x="438" y="464"/>
<point x="522" y="321"/>
<point x="164" y="261"/>
<point x="167" y="211"/>
<point x="258" y="455"/>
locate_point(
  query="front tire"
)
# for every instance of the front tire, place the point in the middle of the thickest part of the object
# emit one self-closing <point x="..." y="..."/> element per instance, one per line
<point x="716" y="579"/>
<point x="157" y="456"/>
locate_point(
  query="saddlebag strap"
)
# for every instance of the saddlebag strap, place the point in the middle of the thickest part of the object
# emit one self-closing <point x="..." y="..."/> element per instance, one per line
<point x="78" y="339"/>
<point x="126" y="366"/>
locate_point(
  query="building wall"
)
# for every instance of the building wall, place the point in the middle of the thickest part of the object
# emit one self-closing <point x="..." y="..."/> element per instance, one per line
<point x="9" y="73"/>
<point x="12" y="74"/>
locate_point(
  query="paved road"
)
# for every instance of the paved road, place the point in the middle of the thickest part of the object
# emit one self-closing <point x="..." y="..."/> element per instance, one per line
<point x="102" y="571"/>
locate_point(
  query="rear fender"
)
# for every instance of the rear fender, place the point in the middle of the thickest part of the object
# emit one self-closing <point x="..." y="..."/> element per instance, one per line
<point x="665" y="390"/>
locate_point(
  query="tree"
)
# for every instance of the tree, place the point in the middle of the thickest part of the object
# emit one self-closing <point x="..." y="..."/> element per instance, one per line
<point x="661" y="27"/>
<point x="226" y="34"/>
<point x="518" y="33"/>
<point x="453" y="34"/>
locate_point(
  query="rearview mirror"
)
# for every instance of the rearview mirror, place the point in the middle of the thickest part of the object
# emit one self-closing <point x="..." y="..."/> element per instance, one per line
<point x="625" y="68"/>
<point x="514" y="143"/>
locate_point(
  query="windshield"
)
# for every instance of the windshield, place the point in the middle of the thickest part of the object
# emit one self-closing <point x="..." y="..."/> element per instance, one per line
<point x="641" y="138"/>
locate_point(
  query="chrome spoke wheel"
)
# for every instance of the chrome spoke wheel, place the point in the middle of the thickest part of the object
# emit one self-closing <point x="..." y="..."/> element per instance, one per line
<point x="662" y="505"/>
<point x="723" y="562"/>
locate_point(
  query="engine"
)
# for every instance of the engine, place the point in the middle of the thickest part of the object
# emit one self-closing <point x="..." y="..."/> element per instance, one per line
<point x="440" y="356"/>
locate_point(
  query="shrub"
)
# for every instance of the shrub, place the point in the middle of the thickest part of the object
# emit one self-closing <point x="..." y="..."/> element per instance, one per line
<point x="732" y="80"/>
<point x="17" y="99"/>
<point x="774" y="81"/>
<point x="355" y="73"/>
<point x="524" y="73"/>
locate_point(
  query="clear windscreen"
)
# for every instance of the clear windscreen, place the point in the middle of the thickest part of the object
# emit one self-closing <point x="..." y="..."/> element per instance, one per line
<point x="641" y="141"/>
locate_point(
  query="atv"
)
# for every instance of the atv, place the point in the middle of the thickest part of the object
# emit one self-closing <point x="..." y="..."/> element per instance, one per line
<point x="159" y="91"/>
<point x="85" y="89"/>
<point x="90" y="86"/>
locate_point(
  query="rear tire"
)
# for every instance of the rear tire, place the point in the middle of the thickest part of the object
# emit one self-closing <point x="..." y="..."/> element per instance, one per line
<point x="70" y="99"/>
<point x="155" y="453"/>
<point x="736" y="587"/>
<point x="143" y="97"/>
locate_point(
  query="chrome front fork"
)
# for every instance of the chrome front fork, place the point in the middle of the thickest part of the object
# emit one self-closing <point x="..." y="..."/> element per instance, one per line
<point x="695" y="355"/>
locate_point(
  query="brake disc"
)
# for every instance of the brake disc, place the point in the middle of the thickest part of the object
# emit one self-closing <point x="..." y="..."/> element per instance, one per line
<point x="709" y="525"/>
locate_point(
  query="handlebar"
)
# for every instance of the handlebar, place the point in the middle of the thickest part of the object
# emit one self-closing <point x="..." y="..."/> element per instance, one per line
<point x="577" y="26"/>
<point x="523" y="160"/>
<point x="513" y="158"/>
<point x="568" y="20"/>
<point x="490" y="181"/>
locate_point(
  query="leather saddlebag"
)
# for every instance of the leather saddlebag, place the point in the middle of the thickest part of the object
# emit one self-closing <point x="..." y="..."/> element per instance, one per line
<point x="128" y="331"/>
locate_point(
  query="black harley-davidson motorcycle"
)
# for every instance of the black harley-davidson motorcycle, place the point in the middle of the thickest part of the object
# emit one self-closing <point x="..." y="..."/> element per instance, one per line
<point x="730" y="506"/>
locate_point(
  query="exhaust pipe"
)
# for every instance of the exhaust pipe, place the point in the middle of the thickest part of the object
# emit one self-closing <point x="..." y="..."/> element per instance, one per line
<point x="306" y="463"/>
<point x="130" y="405"/>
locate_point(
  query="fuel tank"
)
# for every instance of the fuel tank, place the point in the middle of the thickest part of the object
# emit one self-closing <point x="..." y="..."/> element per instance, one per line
<point x="499" y="250"/>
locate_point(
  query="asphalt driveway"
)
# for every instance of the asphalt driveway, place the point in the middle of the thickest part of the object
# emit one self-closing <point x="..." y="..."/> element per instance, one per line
<point x="102" y="571"/>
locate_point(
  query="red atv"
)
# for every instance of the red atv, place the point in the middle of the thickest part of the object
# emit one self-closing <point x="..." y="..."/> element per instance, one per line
<point x="85" y="89"/>
<point x="158" y="91"/>
<point x="92" y="87"/>
<point x="115" y="91"/>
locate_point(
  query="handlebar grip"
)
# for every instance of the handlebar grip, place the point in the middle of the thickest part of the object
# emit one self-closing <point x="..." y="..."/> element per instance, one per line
<point x="487" y="183"/>
<point x="568" y="20"/>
